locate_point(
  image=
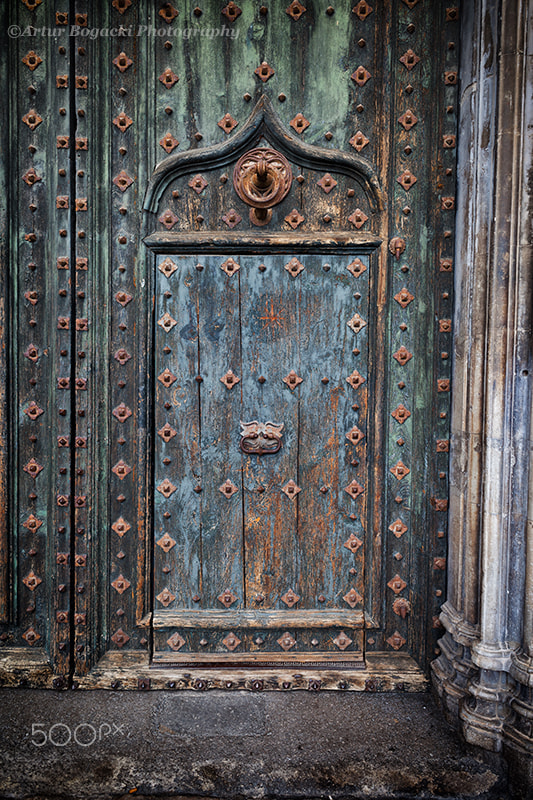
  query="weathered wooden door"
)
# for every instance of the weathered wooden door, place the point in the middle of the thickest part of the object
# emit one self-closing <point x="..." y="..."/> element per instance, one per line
<point x="260" y="460"/>
<point x="229" y="305"/>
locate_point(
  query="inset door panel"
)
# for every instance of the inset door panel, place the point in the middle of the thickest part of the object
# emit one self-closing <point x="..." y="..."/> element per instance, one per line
<point x="261" y="407"/>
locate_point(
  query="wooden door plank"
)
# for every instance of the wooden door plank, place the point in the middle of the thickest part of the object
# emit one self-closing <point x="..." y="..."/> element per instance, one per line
<point x="220" y="355"/>
<point x="270" y="350"/>
<point x="329" y="462"/>
<point x="177" y="566"/>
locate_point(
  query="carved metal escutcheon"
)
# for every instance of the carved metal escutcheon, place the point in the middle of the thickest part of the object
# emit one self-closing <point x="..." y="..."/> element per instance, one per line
<point x="261" y="438"/>
<point x="262" y="178"/>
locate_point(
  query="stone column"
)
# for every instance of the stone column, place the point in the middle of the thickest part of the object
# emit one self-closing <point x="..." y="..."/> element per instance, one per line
<point x="484" y="673"/>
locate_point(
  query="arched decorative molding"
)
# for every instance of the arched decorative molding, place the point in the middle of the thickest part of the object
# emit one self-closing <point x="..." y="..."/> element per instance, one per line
<point x="263" y="122"/>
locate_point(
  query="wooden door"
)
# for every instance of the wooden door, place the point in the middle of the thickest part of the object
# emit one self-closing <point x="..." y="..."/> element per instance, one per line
<point x="122" y="153"/>
<point x="261" y="471"/>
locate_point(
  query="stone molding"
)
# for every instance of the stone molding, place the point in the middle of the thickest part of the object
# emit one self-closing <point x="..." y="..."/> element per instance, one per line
<point x="484" y="673"/>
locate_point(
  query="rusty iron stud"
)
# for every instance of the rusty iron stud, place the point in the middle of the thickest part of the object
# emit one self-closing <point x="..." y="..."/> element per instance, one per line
<point x="294" y="219"/>
<point x="295" y="9"/>
<point x="409" y="59"/>
<point x="362" y="9"/>
<point x="358" y="218"/>
<point x="360" y="76"/>
<point x="290" y="598"/>
<point x="359" y="141"/>
<point x="396" y="641"/>
<point x="299" y="123"/>
<point x="264" y="72"/>
<point x="227" y="123"/>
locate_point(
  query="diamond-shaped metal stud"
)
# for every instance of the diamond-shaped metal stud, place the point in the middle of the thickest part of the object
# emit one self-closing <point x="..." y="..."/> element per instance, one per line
<point x="286" y="641"/>
<point x="356" y="267"/>
<point x="32" y="353"/>
<point x="295" y="10"/>
<point x="122" y="412"/>
<point x="168" y="12"/>
<point x="166" y="488"/>
<point x="294" y="218"/>
<point x="167" y="322"/>
<point x="342" y="641"/>
<point x="397" y="584"/>
<point x="227" y="123"/>
<point x="352" y="598"/>
<point x="409" y="59"/>
<point x="402" y="355"/>
<point x="168" y="219"/>
<point x="353" y="543"/>
<point x="327" y="183"/>
<point x="361" y="76"/>
<point x="294" y="267"/>
<point x="168" y="267"/>
<point x="122" y="121"/>
<point x="404" y="297"/>
<point x="120" y="584"/>
<point x="410" y="3"/>
<point x="292" y="379"/>
<point x="227" y="598"/>
<point x="31" y="580"/>
<point x="358" y="218"/>
<point x="290" y="598"/>
<point x="231" y="218"/>
<point x="167" y="432"/>
<point x="33" y="468"/>
<point x="166" y="597"/>
<point x="166" y="542"/>
<point x="175" y="642"/>
<point x="231" y="11"/>
<point x="299" y="123"/>
<point x="120" y="638"/>
<point x="123" y="298"/>
<point x="230" y="380"/>
<point x="230" y="266"/>
<point x="355" y="435"/>
<point x="121" y="5"/>
<point x="354" y="489"/>
<point x="121" y="469"/>
<point x="358" y="141"/>
<point x="31" y="177"/>
<point x="228" y="488"/>
<point x="32" y="523"/>
<point x="31" y="635"/>
<point x="168" y="78"/>
<point x="264" y="71"/>
<point x="355" y="379"/>
<point x="33" y="411"/>
<point x="121" y="526"/>
<point x="168" y="142"/>
<point x="231" y="641"/>
<point x="122" y="62"/>
<point x="408" y="119"/>
<point x="396" y="640"/>
<point x="167" y="378"/>
<point x="32" y="60"/>
<point x="400" y="470"/>
<point x="406" y="179"/>
<point x="356" y="323"/>
<point x="198" y="183"/>
<point x="291" y="489"/>
<point x="401" y="413"/>
<point x="122" y="180"/>
<point x="398" y="528"/>
<point x="32" y="119"/>
<point x="362" y="9"/>
<point x="122" y="356"/>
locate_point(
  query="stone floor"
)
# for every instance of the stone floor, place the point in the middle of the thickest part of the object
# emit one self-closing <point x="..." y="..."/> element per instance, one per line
<point x="104" y="744"/>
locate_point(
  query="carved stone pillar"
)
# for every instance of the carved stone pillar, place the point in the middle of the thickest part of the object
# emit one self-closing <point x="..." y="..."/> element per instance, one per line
<point x="484" y="674"/>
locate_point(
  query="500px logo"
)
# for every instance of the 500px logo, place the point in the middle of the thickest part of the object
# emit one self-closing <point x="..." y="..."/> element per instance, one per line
<point x="84" y="734"/>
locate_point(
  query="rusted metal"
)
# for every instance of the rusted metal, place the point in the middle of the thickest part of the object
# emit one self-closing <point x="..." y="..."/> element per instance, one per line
<point x="261" y="438"/>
